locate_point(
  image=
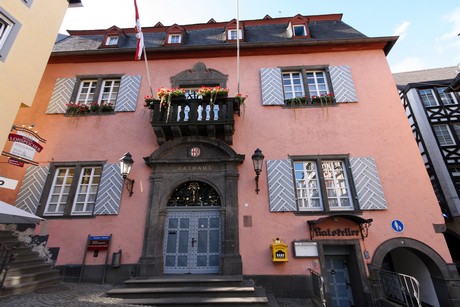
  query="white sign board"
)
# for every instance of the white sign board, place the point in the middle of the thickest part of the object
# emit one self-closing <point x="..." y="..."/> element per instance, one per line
<point x="22" y="150"/>
<point x="305" y="249"/>
<point x="8" y="183"/>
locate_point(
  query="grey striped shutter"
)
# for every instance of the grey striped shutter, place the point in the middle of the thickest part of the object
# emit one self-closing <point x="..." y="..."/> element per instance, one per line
<point x="281" y="186"/>
<point x="129" y="91"/>
<point x="61" y="95"/>
<point x="109" y="193"/>
<point x="272" y="86"/>
<point x="367" y="183"/>
<point x="342" y="83"/>
<point x="32" y="187"/>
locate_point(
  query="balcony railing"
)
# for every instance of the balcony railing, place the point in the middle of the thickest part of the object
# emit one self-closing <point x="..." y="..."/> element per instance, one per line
<point x="195" y="117"/>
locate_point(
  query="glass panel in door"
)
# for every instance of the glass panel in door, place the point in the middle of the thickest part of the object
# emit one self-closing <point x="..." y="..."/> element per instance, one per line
<point x="192" y="242"/>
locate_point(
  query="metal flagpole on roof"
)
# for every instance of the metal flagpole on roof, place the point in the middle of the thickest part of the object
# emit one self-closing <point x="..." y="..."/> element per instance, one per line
<point x="238" y="46"/>
<point x="141" y="46"/>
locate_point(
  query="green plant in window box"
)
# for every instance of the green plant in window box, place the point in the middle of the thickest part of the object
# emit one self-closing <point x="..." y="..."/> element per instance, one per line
<point x="77" y="108"/>
<point x="212" y="93"/>
<point x="106" y="107"/>
<point x="323" y="100"/>
<point x="292" y="102"/>
<point x="166" y="95"/>
<point x="94" y="107"/>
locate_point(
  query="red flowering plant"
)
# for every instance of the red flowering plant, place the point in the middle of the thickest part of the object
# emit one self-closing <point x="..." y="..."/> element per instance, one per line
<point x="107" y="107"/>
<point x="324" y="99"/>
<point x="76" y="108"/>
<point x="212" y="92"/>
<point x="241" y="98"/>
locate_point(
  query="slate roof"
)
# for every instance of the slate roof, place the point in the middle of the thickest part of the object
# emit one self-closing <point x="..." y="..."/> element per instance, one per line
<point x="212" y="35"/>
<point x="425" y="76"/>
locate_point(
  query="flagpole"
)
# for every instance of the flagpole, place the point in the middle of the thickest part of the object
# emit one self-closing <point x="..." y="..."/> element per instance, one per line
<point x="140" y="38"/>
<point x="148" y="71"/>
<point x="238" y="46"/>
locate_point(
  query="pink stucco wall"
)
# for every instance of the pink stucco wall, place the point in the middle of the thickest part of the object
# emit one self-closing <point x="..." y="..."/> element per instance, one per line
<point x="375" y="126"/>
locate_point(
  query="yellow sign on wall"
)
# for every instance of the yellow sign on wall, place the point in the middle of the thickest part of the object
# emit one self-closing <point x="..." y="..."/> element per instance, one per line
<point x="279" y="251"/>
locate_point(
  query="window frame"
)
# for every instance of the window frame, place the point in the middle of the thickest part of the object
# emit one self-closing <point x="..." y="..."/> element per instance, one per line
<point x="304" y="30"/>
<point x="98" y="91"/>
<point x="441" y="138"/>
<point x="9" y="35"/>
<point x="171" y="39"/>
<point x="326" y="208"/>
<point x="439" y="96"/>
<point x="303" y="70"/>
<point x="233" y="37"/>
<point x="112" y="40"/>
<point x="69" y="205"/>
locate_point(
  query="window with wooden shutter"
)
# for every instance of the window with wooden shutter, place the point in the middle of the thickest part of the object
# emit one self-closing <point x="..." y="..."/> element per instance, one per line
<point x="95" y="93"/>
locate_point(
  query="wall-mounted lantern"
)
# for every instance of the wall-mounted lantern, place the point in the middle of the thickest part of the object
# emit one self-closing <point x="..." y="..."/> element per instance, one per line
<point x="257" y="160"/>
<point x="126" y="162"/>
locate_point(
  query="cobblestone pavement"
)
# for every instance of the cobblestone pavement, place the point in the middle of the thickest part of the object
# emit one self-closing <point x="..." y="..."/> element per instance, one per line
<point x="90" y="295"/>
<point x="65" y="294"/>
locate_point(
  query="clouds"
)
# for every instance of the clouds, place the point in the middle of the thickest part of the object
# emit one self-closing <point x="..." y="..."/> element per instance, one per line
<point x="401" y="30"/>
<point x="408" y="64"/>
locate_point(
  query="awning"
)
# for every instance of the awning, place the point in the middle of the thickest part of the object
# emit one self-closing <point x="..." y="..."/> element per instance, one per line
<point x="10" y="214"/>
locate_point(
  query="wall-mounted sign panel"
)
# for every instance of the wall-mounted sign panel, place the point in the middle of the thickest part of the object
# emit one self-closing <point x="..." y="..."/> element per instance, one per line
<point x="305" y="249"/>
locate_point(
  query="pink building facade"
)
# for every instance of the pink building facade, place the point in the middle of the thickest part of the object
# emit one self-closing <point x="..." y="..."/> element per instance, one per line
<point x="343" y="192"/>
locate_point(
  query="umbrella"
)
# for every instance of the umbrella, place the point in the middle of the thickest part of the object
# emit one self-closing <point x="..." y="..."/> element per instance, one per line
<point x="10" y="214"/>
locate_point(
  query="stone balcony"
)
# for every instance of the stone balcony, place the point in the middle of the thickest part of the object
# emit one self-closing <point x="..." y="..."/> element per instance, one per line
<point x="195" y="117"/>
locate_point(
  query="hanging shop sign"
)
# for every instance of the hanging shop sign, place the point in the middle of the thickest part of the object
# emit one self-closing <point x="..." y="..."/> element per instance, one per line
<point x="339" y="226"/>
<point x="25" y="144"/>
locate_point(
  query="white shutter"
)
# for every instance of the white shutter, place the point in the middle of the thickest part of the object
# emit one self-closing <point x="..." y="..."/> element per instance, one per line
<point x="272" y="86"/>
<point x="367" y="184"/>
<point x="61" y="95"/>
<point x="342" y="82"/>
<point x="128" y="94"/>
<point x="281" y="186"/>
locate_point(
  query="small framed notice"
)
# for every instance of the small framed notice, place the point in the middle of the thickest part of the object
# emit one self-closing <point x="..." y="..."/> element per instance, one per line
<point x="305" y="249"/>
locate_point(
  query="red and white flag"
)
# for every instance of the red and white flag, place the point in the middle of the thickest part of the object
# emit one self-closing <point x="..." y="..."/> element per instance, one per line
<point x="139" y="35"/>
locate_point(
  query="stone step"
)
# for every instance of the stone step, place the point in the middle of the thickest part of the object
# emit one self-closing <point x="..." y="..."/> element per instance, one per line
<point x="189" y="280"/>
<point x="25" y="269"/>
<point x="30" y="286"/>
<point x="181" y="292"/>
<point x="198" y="301"/>
<point x="18" y="279"/>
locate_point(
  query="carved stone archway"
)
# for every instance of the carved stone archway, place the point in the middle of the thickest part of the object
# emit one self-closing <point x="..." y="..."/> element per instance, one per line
<point x="192" y="159"/>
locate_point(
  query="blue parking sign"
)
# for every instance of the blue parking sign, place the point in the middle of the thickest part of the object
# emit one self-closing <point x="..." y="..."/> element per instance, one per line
<point x="397" y="225"/>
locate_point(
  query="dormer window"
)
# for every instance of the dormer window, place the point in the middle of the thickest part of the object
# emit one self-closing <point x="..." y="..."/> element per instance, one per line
<point x="232" y="34"/>
<point x="299" y="30"/>
<point x="174" y="38"/>
<point x="111" y="40"/>
<point x="298" y="27"/>
<point x="112" y="37"/>
<point x="234" y="31"/>
<point x="175" y="35"/>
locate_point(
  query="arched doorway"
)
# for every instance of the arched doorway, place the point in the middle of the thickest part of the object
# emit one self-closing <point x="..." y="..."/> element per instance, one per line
<point x="209" y="168"/>
<point x="192" y="230"/>
<point x="414" y="258"/>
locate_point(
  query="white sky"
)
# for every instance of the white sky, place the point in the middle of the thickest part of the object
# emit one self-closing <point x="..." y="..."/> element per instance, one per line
<point x="428" y="30"/>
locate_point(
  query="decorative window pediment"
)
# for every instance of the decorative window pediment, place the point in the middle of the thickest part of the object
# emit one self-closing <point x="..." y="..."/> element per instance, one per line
<point x="199" y="75"/>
